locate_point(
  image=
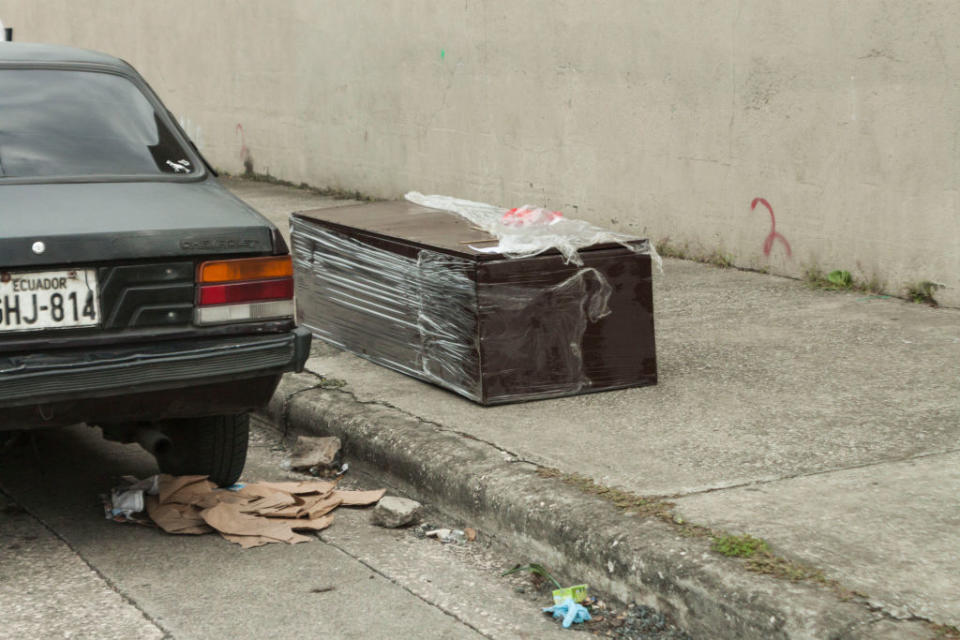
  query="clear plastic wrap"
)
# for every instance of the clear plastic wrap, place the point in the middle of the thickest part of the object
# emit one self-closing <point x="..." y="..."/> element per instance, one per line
<point x="536" y="329"/>
<point x="529" y="231"/>
<point x="445" y="319"/>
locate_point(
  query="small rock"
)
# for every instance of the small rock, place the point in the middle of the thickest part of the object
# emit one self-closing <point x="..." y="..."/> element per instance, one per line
<point x="392" y="512"/>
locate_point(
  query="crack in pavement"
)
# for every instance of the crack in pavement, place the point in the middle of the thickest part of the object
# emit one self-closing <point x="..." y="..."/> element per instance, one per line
<point x="167" y="634"/>
<point x="383" y="575"/>
<point x="810" y="474"/>
<point x="517" y="458"/>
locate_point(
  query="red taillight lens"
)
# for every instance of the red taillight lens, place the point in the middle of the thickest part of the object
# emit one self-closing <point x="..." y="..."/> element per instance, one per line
<point x="246" y="291"/>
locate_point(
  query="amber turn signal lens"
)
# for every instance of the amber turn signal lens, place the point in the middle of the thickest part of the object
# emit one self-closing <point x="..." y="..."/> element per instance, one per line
<point x="245" y="269"/>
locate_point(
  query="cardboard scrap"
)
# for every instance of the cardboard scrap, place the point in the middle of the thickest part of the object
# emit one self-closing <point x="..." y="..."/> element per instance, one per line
<point x="289" y="511"/>
<point x="322" y="507"/>
<point x="230" y="519"/>
<point x="298" y="488"/>
<point x="248" y="542"/>
<point x="316" y="454"/>
<point x="253" y="515"/>
<point x="176" y="518"/>
<point x="169" y="486"/>
<point x="317" y="524"/>
<point x="270" y="502"/>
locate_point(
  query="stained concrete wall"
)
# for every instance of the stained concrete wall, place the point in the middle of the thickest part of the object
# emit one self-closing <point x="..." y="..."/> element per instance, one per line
<point x="667" y="119"/>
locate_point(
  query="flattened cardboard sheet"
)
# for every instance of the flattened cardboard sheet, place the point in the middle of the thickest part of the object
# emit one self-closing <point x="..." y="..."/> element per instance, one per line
<point x="252" y="516"/>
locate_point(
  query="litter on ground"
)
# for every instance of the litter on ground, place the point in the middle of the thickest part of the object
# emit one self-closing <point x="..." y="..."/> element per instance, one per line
<point x="250" y="515"/>
<point x="570" y="611"/>
<point x="319" y="456"/>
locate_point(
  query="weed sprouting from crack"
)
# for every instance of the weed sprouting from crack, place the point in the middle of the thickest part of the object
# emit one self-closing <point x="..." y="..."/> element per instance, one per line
<point x="841" y="280"/>
<point x="743" y="546"/>
<point x="875" y="285"/>
<point x="922" y="292"/>
<point x="755" y="552"/>
<point x="537" y="573"/>
<point x="331" y="383"/>
<point x="814" y="276"/>
<point x="667" y="249"/>
<point x="717" y="257"/>
<point x="769" y="564"/>
<point x="760" y="559"/>
<point x="623" y="500"/>
<point x="720" y="259"/>
<point x="944" y="631"/>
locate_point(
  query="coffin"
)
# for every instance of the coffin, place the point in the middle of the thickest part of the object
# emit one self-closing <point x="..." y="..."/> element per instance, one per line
<point x="424" y="292"/>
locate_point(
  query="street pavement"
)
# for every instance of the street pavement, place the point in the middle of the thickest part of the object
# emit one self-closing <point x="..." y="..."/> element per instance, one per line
<point x="67" y="572"/>
<point x="825" y="422"/>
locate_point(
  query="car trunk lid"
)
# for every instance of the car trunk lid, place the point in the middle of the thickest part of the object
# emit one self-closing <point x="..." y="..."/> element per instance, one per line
<point x="87" y="223"/>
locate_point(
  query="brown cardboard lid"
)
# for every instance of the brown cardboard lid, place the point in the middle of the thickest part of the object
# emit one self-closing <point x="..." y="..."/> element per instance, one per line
<point x="422" y="226"/>
<point x="429" y="228"/>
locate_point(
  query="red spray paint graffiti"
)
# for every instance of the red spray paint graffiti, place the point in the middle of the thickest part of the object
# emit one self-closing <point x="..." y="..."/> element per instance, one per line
<point x="773" y="235"/>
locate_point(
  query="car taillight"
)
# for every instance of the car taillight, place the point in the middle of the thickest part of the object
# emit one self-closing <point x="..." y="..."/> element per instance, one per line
<point x="244" y="289"/>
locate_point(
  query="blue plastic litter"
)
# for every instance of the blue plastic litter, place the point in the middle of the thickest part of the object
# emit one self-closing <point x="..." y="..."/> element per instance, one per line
<point x="570" y="611"/>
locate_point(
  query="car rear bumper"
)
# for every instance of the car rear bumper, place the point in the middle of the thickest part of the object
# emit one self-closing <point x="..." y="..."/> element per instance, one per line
<point x="38" y="379"/>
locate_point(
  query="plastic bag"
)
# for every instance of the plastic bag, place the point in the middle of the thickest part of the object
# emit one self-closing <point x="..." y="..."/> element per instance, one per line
<point x="528" y="230"/>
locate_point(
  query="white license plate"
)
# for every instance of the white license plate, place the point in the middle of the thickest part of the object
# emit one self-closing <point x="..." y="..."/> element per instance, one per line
<point x="30" y="301"/>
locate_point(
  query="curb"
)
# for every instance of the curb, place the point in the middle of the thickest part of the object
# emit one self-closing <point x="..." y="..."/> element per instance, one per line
<point x="579" y="535"/>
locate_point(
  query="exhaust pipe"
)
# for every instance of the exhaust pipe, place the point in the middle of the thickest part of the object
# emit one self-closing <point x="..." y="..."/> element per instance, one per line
<point x="153" y="440"/>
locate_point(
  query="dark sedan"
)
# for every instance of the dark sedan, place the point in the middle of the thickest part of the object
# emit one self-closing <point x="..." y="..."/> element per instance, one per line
<point x="136" y="293"/>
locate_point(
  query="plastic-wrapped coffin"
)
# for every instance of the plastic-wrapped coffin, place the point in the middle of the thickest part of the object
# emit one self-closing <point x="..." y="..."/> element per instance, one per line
<point x="419" y="290"/>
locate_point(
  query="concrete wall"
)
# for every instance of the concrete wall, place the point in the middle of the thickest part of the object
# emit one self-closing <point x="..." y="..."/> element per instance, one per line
<point x="664" y="118"/>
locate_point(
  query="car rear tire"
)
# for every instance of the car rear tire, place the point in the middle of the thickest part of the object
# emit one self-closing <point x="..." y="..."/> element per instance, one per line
<point x="214" y="446"/>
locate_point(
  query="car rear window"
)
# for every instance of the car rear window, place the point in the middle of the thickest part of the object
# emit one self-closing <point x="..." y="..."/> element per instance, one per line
<point x="57" y="123"/>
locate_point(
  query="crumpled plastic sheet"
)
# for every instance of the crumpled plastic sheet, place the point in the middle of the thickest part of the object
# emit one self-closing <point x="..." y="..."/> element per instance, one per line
<point x="570" y="611"/>
<point x="529" y="231"/>
<point x="124" y="502"/>
<point x="419" y="315"/>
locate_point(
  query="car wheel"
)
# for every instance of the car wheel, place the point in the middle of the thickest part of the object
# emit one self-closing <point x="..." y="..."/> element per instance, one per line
<point x="214" y="446"/>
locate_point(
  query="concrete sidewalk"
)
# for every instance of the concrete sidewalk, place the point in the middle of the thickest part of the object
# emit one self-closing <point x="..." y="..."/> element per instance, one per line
<point x="826" y="423"/>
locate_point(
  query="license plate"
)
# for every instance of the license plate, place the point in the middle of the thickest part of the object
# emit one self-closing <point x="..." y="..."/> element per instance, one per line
<point x="30" y="301"/>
